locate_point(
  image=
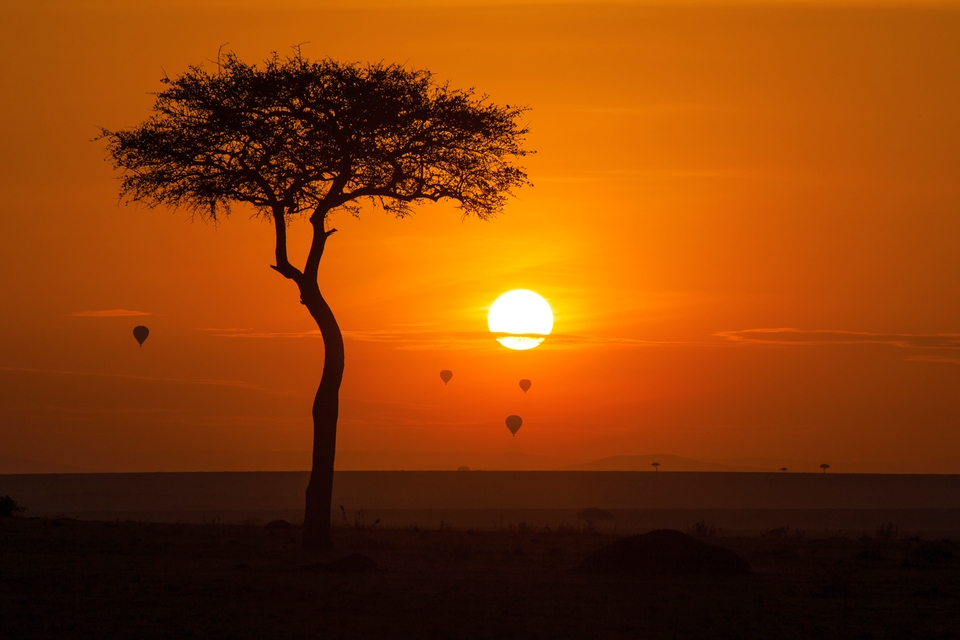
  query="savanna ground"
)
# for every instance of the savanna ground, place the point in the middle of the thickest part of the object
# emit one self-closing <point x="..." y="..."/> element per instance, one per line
<point x="67" y="578"/>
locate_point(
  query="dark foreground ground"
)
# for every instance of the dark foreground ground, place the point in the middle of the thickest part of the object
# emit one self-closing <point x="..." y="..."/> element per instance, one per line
<point x="64" y="578"/>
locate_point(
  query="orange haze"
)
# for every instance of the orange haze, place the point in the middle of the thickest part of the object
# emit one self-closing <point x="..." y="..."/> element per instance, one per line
<point x="704" y="174"/>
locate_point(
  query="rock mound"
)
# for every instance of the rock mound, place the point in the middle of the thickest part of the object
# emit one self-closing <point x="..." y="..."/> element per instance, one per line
<point x="663" y="552"/>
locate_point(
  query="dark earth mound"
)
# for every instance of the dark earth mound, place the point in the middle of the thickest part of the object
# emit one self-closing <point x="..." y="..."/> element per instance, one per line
<point x="663" y="552"/>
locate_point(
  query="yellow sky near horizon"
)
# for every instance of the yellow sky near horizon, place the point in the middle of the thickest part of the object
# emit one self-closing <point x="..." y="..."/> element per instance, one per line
<point x="704" y="176"/>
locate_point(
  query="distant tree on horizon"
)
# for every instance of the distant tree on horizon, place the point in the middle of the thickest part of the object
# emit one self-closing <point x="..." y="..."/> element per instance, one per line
<point x="783" y="469"/>
<point x="655" y="465"/>
<point x="300" y="139"/>
<point x="824" y="466"/>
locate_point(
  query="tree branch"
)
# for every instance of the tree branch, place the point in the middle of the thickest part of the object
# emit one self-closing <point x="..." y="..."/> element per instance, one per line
<point x="311" y="269"/>
<point x="283" y="266"/>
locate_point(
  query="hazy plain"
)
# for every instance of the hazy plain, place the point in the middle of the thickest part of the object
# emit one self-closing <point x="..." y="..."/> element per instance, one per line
<point x="744" y="503"/>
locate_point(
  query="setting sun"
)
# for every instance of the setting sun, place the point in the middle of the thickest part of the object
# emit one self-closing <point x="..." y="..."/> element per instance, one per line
<point x="521" y="319"/>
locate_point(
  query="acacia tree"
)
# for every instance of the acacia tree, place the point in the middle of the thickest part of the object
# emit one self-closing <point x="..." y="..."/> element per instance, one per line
<point x="299" y="138"/>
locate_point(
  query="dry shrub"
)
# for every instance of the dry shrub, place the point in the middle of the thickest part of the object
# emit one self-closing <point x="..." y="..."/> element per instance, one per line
<point x="779" y="533"/>
<point x="9" y="507"/>
<point x="701" y="530"/>
<point x="359" y="520"/>
<point x="888" y="532"/>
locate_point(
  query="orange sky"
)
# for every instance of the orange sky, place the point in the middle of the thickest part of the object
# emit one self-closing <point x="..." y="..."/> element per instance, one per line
<point x="704" y="173"/>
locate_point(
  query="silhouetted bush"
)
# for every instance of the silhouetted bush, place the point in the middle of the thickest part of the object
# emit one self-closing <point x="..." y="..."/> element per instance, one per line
<point x="593" y="515"/>
<point x="701" y="530"/>
<point x="887" y="532"/>
<point x="359" y="520"/>
<point x="9" y="507"/>
<point x="563" y="528"/>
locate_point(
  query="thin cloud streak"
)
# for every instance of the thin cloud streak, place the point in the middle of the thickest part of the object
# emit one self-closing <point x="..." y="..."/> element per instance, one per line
<point x="931" y="358"/>
<point x="110" y="313"/>
<point x="651" y="174"/>
<point x="446" y="340"/>
<point x="788" y="336"/>
<point x="217" y="383"/>
<point x="250" y="333"/>
<point x="423" y="340"/>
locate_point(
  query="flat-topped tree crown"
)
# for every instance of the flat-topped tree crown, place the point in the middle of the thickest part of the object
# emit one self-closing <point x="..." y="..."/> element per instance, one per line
<point x="293" y="137"/>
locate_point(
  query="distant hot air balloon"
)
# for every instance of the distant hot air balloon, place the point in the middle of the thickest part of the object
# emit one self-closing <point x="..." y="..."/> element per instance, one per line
<point x="525" y="385"/>
<point x="513" y="423"/>
<point x="445" y="375"/>
<point x="141" y="333"/>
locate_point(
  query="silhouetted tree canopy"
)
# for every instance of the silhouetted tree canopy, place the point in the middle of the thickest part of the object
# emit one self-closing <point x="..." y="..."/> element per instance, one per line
<point x="294" y="135"/>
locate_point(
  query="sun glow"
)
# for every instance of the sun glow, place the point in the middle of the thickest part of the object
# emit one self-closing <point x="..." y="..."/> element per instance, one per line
<point x="520" y="319"/>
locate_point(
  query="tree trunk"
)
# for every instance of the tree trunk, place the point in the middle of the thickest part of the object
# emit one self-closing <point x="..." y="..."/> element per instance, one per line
<point x="326" y="408"/>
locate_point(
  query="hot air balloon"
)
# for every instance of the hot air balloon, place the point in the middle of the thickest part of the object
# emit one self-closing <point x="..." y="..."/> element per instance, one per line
<point x="525" y="385"/>
<point x="513" y="423"/>
<point x="141" y="333"/>
<point x="445" y="375"/>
